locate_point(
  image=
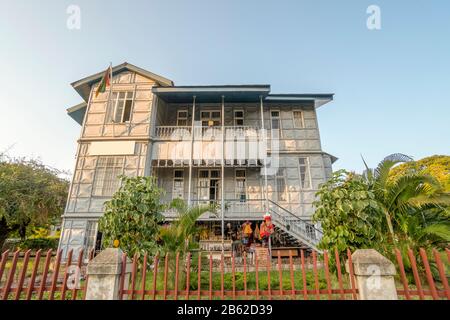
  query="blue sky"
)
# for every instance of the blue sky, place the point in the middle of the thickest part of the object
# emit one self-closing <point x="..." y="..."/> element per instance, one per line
<point x="390" y="84"/>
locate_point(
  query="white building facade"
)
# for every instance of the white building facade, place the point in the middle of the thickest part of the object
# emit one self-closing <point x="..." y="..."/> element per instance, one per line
<point x="238" y="146"/>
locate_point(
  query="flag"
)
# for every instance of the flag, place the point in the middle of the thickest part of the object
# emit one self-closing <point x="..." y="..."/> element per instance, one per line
<point x="106" y="81"/>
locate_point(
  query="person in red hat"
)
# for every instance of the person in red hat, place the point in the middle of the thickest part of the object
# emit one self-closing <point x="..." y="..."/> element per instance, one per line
<point x="266" y="228"/>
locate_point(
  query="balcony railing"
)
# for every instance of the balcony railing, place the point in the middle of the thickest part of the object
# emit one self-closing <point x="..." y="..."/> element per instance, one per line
<point x="200" y="132"/>
<point x="172" y="132"/>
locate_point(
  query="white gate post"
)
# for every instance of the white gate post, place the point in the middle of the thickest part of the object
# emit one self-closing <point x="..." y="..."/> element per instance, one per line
<point x="104" y="275"/>
<point x="374" y="275"/>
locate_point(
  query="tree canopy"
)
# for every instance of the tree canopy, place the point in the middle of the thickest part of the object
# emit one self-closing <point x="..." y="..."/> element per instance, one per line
<point x="437" y="166"/>
<point x="31" y="195"/>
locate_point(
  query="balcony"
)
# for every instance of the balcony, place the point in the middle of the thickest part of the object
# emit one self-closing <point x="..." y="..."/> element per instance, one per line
<point x="176" y="133"/>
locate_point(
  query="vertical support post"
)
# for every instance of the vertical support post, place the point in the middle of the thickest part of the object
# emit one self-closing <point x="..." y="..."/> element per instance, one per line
<point x="374" y="275"/>
<point x="192" y="151"/>
<point x="266" y="195"/>
<point x="222" y="187"/>
<point x="266" y="203"/>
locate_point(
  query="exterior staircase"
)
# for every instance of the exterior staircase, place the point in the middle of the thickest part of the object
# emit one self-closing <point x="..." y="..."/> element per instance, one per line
<point x="295" y="227"/>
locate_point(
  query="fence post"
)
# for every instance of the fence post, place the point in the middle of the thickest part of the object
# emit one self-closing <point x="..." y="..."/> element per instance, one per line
<point x="104" y="273"/>
<point x="374" y="275"/>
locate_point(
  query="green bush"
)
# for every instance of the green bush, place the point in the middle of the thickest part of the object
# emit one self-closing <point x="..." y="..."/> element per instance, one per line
<point x="40" y="243"/>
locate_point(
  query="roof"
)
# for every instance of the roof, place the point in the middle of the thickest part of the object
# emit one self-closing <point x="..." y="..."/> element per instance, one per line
<point x="83" y="86"/>
<point x="167" y="91"/>
<point x="235" y="93"/>
<point x="231" y="93"/>
<point x="319" y="99"/>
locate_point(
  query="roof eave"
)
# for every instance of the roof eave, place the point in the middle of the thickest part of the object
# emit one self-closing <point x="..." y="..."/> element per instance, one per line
<point x="319" y="99"/>
<point x="77" y="112"/>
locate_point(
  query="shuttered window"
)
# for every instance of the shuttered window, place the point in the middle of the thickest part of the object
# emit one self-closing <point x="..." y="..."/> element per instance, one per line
<point x="298" y="119"/>
<point x="106" y="180"/>
<point x="119" y="110"/>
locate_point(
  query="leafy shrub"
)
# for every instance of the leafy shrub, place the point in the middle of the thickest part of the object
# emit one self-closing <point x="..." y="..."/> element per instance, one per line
<point x="40" y="243"/>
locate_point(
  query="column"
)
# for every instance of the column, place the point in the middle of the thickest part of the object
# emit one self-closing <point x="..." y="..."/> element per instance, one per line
<point x="192" y="151"/>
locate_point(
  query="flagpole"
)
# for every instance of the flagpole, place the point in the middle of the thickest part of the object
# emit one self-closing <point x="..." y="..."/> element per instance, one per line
<point x="110" y="80"/>
<point x="109" y="98"/>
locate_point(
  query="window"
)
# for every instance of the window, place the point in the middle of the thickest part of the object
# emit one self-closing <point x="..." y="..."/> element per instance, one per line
<point x="280" y="181"/>
<point x="238" y="118"/>
<point x="178" y="184"/>
<point x="210" y="118"/>
<point x="208" y="185"/>
<point x="305" y="176"/>
<point x="275" y="119"/>
<point x="298" y="119"/>
<point x="240" y="185"/>
<point x="106" y="180"/>
<point x="182" y="118"/>
<point x="275" y="124"/>
<point x="120" y="107"/>
<point x="91" y="235"/>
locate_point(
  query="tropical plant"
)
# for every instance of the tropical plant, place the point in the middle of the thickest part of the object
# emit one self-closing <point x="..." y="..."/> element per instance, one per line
<point x="382" y="210"/>
<point x="133" y="216"/>
<point x="348" y="213"/>
<point x="414" y="205"/>
<point x="179" y="234"/>
<point x="31" y="195"/>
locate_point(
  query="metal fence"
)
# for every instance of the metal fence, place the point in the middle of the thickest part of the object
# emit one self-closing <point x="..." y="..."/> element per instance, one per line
<point x="41" y="275"/>
<point x="196" y="276"/>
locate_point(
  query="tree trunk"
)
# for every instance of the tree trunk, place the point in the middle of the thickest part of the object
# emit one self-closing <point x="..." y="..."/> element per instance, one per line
<point x="4" y="232"/>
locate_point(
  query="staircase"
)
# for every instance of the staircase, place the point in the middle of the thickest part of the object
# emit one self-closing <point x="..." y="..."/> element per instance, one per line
<point x="297" y="228"/>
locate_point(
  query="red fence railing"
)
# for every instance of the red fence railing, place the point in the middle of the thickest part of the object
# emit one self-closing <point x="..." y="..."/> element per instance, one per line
<point x="41" y="275"/>
<point x="195" y="276"/>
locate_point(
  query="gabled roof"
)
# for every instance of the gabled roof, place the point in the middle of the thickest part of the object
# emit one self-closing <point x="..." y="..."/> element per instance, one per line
<point x="83" y="86"/>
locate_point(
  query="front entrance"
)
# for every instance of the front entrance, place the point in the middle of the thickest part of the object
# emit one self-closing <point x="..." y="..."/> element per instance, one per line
<point x="208" y="186"/>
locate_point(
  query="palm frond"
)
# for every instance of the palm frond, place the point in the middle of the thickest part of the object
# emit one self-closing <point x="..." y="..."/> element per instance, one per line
<point x="407" y="187"/>
<point x="368" y="173"/>
<point x="427" y="201"/>
<point x="440" y="230"/>
<point x="381" y="173"/>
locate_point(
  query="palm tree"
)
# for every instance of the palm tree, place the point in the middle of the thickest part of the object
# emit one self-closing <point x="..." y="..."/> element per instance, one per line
<point x="414" y="205"/>
<point x="178" y="235"/>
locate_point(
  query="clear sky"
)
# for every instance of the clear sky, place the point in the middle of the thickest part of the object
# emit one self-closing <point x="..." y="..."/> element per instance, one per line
<point x="391" y="85"/>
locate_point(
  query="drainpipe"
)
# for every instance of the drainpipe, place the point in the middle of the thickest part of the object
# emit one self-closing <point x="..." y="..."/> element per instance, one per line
<point x="192" y="151"/>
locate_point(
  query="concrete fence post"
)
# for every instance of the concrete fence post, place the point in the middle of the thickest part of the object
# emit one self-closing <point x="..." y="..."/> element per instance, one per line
<point x="374" y="275"/>
<point x="104" y="275"/>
